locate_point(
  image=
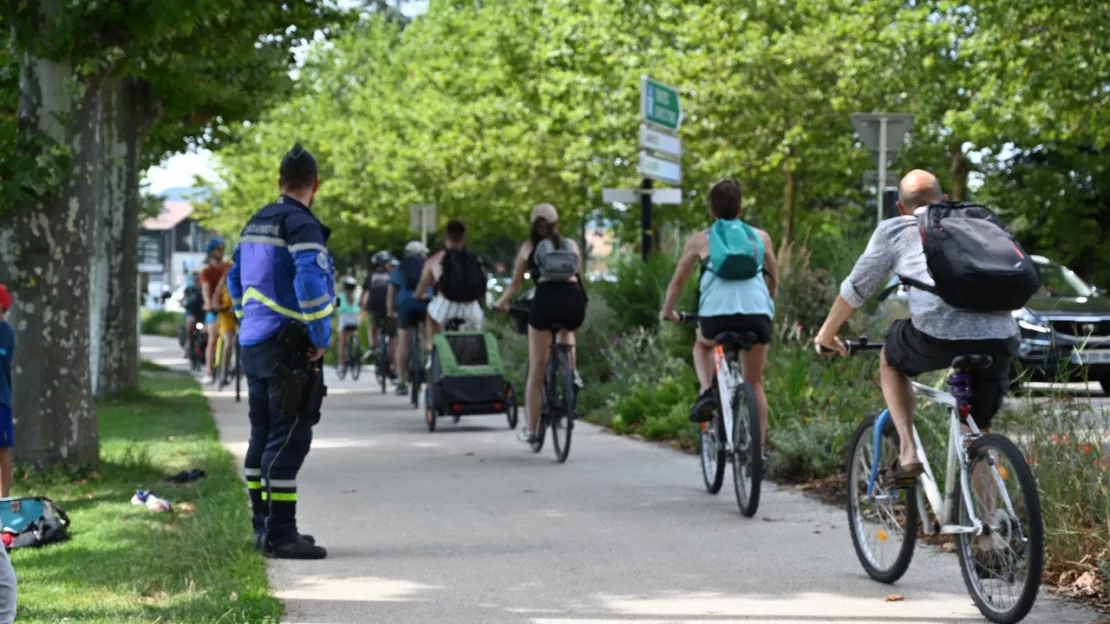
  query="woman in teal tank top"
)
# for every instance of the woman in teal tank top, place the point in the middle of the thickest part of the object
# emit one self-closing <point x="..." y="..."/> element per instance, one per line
<point x="727" y="305"/>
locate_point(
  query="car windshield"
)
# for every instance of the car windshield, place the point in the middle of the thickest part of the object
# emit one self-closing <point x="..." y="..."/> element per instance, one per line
<point x="1060" y="281"/>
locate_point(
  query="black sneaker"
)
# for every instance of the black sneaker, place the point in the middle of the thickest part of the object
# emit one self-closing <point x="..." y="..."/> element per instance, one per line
<point x="297" y="548"/>
<point x="703" y="408"/>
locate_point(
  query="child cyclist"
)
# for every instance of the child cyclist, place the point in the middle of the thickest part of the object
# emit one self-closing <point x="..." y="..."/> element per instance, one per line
<point x="350" y="316"/>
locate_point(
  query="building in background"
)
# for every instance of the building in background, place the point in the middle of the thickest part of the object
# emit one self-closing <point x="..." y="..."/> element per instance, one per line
<point x="170" y="246"/>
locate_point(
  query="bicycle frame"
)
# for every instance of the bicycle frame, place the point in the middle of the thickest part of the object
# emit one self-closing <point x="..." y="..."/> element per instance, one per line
<point x="957" y="460"/>
<point x="728" y="380"/>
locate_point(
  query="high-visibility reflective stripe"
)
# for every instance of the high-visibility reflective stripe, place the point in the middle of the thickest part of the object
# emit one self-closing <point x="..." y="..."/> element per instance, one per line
<point x="282" y="483"/>
<point x="322" y="299"/>
<point x="252" y="472"/>
<point x="238" y="314"/>
<point x="253" y="294"/>
<point x="254" y="485"/>
<point x="265" y="240"/>
<point x="281" y="497"/>
<point x="306" y="247"/>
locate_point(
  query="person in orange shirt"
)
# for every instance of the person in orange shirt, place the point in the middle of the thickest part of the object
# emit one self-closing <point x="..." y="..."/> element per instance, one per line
<point x="210" y="278"/>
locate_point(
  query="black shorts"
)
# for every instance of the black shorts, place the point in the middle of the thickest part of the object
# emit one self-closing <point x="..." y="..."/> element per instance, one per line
<point x="758" y="324"/>
<point x="558" y="303"/>
<point x="383" y="321"/>
<point x="912" y="353"/>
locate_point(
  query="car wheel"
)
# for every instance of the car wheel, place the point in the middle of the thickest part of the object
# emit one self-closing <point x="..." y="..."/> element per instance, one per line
<point x="1105" y="383"/>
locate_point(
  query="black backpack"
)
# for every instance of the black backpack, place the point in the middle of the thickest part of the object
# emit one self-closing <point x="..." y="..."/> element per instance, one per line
<point x="976" y="263"/>
<point x="463" y="279"/>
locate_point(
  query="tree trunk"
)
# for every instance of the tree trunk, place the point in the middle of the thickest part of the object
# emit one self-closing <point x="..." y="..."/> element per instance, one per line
<point x="126" y="112"/>
<point x="789" y="198"/>
<point x="44" y="251"/>
<point x="958" y="168"/>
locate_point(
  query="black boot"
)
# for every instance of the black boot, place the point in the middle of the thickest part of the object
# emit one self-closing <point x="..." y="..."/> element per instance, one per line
<point x="260" y="539"/>
<point x="296" y="548"/>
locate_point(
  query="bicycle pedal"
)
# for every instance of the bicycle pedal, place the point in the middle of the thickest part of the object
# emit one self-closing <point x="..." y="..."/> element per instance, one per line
<point x="904" y="482"/>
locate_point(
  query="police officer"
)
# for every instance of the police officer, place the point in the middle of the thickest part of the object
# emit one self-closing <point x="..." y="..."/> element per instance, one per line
<point x="282" y="286"/>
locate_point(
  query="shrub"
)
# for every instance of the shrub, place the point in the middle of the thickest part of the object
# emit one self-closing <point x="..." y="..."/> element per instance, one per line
<point x="636" y="295"/>
<point x="161" y="323"/>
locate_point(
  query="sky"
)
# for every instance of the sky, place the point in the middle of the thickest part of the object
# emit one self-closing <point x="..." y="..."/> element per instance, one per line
<point x="180" y="169"/>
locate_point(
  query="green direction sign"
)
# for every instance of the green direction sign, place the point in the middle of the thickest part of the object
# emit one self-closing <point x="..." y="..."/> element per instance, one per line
<point x="659" y="104"/>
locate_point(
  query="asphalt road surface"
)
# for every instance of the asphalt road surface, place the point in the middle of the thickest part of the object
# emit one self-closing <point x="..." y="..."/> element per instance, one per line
<point x="467" y="525"/>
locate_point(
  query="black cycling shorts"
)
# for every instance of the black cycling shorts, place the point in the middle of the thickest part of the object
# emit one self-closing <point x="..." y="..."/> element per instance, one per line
<point x="758" y="324"/>
<point x="913" y="352"/>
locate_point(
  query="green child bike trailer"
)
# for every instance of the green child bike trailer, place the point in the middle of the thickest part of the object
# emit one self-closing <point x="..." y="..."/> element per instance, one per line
<point x="467" y="378"/>
<point x="735" y="250"/>
<point x="32" y="522"/>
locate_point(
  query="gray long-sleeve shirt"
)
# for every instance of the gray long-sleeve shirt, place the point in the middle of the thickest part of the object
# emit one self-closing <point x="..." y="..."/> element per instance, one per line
<point x="896" y="248"/>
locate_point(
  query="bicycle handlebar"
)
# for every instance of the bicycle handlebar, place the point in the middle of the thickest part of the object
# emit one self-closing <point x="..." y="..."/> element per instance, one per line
<point x="856" y="346"/>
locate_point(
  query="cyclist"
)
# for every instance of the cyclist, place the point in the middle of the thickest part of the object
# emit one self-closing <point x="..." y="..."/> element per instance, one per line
<point x="193" y="303"/>
<point x="935" y="334"/>
<point x="226" y="322"/>
<point x="729" y="299"/>
<point x="456" y="274"/>
<point x="375" y="290"/>
<point x="402" y="305"/>
<point x="209" y="279"/>
<point x="346" y="306"/>
<point x="560" y="299"/>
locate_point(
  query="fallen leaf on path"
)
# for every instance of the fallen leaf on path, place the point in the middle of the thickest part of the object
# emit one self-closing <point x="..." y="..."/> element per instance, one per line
<point x="186" y="508"/>
<point x="171" y="438"/>
<point x="805" y="486"/>
<point x="1085" y="584"/>
<point x="948" y="547"/>
<point x="766" y="519"/>
<point x="895" y="598"/>
<point x="234" y="596"/>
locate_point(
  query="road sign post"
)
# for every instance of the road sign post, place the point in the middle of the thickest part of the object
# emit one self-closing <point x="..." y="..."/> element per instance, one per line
<point x="875" y="130"/>
<point x="421" y="218"/>
<point x="660" y="119"/>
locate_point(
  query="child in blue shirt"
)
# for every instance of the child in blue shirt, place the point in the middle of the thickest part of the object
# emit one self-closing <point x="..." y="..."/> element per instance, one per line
<point x="7" y="429"/>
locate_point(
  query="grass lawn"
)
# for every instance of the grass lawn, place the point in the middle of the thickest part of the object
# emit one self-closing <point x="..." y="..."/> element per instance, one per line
<point x="124" y="563"/>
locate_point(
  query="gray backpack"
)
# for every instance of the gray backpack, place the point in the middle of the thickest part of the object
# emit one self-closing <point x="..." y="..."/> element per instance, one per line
<point x="556" y="265"/>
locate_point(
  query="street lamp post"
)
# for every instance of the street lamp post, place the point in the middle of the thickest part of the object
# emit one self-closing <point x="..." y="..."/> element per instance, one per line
<point x="875" y="130"/>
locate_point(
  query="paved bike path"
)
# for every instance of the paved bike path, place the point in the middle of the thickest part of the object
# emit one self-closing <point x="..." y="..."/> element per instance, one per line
<point x="467" y="525"/>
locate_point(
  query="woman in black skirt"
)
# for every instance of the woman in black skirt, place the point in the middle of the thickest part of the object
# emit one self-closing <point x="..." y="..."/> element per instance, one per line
<point x="559" y="302"/>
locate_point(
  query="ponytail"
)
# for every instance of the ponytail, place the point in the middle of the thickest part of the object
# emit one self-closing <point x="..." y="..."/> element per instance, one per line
<point x="544" y="229"/>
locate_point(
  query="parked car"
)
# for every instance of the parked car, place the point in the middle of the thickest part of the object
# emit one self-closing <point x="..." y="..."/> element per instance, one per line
<point x="1065" y="328"/>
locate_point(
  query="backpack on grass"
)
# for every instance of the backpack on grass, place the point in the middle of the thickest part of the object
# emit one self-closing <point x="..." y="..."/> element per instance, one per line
<point x="32" y="522"/>
<point x="974" y="261"/>
<point x="463" y="279"/>
<point x="735" y="250"/>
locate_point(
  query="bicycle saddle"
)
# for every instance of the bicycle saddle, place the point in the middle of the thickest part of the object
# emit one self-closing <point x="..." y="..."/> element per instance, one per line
<point x="972" y="362"/>
<point x="740" y="340"/>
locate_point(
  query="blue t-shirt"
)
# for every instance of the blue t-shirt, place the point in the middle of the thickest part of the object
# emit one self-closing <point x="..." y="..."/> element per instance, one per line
<point x="7" y="352"/>
<point x="404" y="295"/>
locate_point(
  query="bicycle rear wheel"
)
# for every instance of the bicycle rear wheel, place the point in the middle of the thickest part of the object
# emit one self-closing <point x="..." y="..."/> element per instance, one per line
<point x="381" y="361"/>
<point x="884" y="525"/>
<point x="713" y="449"/>
<point x="354" y="356"/>
<point x="1002" y="567"/>
<point x="562" y="402"/>
<point x="747" y="452"/>
<point x="416" y="367"/>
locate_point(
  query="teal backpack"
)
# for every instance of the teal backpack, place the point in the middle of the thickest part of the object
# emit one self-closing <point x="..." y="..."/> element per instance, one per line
<point x="735" y="250"/>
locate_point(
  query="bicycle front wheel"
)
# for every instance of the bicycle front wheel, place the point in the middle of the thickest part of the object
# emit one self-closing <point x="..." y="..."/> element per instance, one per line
<point x="714" y="450"/>
<point x="561" y="404"/>
<point x="884" y="524"/>
<point x="1002" y="567"/>
<point x="747" y="452"/>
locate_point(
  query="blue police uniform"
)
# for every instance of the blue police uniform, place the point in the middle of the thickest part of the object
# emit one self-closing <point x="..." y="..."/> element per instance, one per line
<point x="282" y="273"/>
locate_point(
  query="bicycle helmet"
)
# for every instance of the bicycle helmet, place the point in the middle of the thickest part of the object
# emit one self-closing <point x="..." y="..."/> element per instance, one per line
<point x="350" y="282"/>
<point x="213" y="244"/>
<point x="381" y="258"/>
